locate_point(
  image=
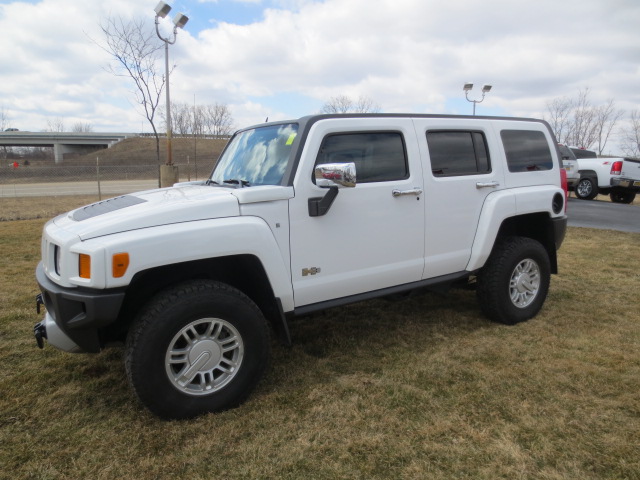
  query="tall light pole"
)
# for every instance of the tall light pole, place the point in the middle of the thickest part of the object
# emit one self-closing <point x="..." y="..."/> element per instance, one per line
<point x="179" y="21"/>
<point x="467" y="88"/>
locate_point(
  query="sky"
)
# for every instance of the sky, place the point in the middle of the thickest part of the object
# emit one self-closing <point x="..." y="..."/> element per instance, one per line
<point x="283" y="59"/>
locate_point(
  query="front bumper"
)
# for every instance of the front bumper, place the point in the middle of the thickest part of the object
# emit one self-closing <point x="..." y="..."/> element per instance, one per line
<point x="74" y="316"/>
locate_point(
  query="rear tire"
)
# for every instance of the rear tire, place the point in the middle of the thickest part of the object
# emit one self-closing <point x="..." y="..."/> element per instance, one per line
<point x="622" y="197"/>
<point x="198" y="347"/>
<point x="586" y="189"/>
<point x="514" y="283"/>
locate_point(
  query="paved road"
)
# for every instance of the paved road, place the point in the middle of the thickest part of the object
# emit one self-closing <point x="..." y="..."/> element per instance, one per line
<point x="603" y="215"/>
<point x="107" y="188"/>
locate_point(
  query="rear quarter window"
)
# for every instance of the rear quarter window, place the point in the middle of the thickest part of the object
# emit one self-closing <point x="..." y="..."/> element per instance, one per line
<point x="526" y="150"/>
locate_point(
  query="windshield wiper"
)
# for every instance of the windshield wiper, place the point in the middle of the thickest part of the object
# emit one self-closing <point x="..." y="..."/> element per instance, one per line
<point x="211" y="182"/>
<point x="235" y="181"/>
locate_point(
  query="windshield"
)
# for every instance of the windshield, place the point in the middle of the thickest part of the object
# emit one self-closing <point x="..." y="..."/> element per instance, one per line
<point x="256" y="157"/>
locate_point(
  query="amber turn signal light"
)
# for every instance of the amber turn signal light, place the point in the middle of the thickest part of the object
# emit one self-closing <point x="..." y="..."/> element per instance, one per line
<point x="120" y="264"/>
<point x="84" y="266"/>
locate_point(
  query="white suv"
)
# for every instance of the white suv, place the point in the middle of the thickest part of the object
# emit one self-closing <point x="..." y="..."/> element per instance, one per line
<point x="298" y="217"/>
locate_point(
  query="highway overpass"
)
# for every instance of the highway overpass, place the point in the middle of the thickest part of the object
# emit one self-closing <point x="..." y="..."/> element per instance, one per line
<point x="62" y="142"/>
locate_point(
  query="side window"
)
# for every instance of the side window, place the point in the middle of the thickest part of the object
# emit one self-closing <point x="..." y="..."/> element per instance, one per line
<point x="526" y="150"/>
<point x="379" y="156"/>
<point x="458" y="153"/>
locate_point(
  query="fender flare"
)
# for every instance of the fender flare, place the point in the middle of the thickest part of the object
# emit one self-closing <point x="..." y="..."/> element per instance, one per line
<point x="163" y="245"/>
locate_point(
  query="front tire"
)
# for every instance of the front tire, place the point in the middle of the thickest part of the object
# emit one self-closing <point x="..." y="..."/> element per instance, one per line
<point x="586" y="188"/>
<point x="198" y="347"/>
<point x="514" y="283"/>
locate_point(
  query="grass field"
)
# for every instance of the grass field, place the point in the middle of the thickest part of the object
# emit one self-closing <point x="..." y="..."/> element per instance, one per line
<point x="422" y="388"/>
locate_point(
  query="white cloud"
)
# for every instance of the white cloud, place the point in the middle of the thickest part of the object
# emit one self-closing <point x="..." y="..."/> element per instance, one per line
<point x="407" y="55"/>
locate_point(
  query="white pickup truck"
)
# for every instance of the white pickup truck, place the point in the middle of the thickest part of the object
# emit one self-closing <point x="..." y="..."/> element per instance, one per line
<point x="299" y="217"/>
<point x="617" y="177"/>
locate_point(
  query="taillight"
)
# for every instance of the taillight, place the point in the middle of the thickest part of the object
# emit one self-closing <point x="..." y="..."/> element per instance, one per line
<point x="616" y="168"/>
<point x="563" y="183"/>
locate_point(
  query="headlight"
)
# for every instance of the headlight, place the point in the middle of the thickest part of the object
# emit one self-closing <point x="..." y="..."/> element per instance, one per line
<point x="56" y="259"/>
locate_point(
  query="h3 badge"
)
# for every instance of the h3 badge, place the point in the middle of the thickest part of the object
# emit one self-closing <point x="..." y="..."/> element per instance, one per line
<point x="310" y="271"/>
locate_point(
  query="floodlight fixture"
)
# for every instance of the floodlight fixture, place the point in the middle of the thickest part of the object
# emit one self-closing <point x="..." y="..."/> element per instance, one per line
<point x="180" y="20"/>
<point x="467" y="87"/>
<point x="162" y="9"/>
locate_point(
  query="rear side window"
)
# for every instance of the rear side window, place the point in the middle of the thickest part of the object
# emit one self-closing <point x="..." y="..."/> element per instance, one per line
<point x="379" y="156"/>
<point x="458" y="153"/>
<point x="526" y="150"/>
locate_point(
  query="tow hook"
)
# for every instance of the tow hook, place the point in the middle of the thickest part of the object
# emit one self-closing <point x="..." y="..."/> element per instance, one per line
<point x="39" y="302"/>
<point x="40" y="332"/>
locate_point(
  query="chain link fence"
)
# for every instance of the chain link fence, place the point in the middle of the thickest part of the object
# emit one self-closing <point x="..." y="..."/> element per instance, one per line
<point x="20" y="180"/>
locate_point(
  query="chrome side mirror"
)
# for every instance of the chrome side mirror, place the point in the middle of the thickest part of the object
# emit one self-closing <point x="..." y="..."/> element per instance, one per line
<point x="332" y="176"/>
<point x="336" y="175"/>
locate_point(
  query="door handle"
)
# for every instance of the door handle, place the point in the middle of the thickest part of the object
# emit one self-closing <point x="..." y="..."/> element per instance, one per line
<point x="487" y="184"/>
<point x="414" y="191"/>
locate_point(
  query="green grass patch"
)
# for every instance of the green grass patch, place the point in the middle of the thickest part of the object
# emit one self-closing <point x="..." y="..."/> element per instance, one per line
<point x="421" y="388"/>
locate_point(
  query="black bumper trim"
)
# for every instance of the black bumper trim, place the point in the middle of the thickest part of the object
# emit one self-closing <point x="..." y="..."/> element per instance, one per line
<point x="80" y="312"/>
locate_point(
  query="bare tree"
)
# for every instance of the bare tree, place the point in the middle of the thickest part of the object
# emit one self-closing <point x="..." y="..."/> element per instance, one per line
<point x="631" y="135"/>
<point x="55" y="125"/>
<point x="582" y="132"/>
<point x="4" y="123"/>
<point x="344" y="104"/>
<point x="80" y="127"/>
<point x="606" y="118"/>
<point x="181" y="118"/>
<point x="4" y="119"/>
<point x="559" y="111"/>
<point x="576" y="121"/>
<point x="217" y="119"/>
<point x="135" y="49"/>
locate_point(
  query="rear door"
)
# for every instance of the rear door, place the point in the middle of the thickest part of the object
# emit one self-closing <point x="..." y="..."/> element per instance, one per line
<point x="460" y="172"/>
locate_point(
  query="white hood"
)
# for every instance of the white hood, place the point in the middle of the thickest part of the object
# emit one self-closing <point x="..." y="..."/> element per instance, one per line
<point x="150" y="208"/>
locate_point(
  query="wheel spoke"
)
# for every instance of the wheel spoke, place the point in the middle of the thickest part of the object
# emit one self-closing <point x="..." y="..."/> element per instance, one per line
<point x="178" y="355"/>
<point x="229" y="344"/>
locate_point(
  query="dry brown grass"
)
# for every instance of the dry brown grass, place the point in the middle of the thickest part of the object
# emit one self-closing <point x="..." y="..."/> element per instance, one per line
<point x="422" y="388"/>
<point x="29" y="208"/>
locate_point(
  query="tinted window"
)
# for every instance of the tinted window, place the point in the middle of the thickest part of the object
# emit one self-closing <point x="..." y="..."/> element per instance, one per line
<point x="582" y="153"/>
<point x="526" y="150"/>
<point x="458" y="153"/>
<point x="566" y="152"/>
<point x="379" y="157"/>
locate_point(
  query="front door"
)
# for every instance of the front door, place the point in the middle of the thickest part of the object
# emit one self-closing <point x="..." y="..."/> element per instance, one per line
<point x="370" y="238"/>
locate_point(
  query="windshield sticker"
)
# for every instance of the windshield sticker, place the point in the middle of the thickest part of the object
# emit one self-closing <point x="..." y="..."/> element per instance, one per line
<point x="291" y="138"/>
